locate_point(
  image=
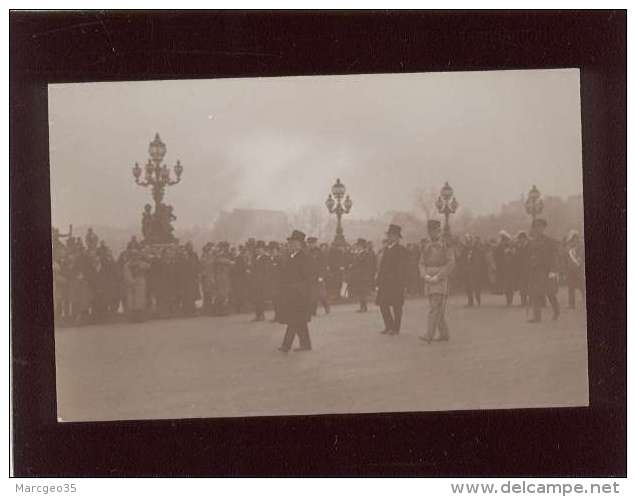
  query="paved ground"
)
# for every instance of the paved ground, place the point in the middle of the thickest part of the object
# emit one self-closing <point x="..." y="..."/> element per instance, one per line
<point x="205" y="367"/>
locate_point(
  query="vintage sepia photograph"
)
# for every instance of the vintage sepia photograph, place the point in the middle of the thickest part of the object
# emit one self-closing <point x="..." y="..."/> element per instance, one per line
<point x="306" y="245"/>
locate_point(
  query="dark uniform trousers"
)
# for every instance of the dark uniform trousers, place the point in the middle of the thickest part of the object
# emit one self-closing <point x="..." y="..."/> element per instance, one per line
<point x="302" y="330"/>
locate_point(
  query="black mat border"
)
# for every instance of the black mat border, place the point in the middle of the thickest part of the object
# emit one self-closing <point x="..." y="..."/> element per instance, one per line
<point x="132" y="45"/>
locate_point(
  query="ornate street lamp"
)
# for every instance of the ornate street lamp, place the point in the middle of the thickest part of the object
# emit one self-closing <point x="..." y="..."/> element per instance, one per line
<point x="534" y="202"/>
<point x="156" y="227"/>
<point x="338" y="208"/>
<point x="446" y="204"/>
<point x="156" y="176"/>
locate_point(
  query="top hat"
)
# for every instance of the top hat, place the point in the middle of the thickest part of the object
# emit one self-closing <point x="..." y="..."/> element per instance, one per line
<point x="312" y="239"/>
<point x="394" y="229"/>
<point x="433" y="224"/>
<point x="297" y="235"/>
<point x="539" y="222"/>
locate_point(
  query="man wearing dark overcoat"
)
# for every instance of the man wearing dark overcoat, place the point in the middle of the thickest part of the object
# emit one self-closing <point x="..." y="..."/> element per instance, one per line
<point x="542" y="270"/>
<point x="392" y="280"/>
<point x="295" y="288"/>
<point x="362" y="273"/>
<point x="259" y="272"/>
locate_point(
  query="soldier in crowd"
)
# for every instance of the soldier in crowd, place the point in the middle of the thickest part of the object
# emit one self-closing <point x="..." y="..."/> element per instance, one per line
<point x="296" y="280"/>
<point x="436" y="264"/>
<point x="575" y="269"/>
<point x="391" y="281"/>
<point x="318" y="261"/>
<point x="258" y="275"/>
<point x="362" y="273"/>
<point x="222" y="267"/>
<point x="207" y="277"/>
<point x="521" y="266"/>
<point x="505" y="266"/>
<point x="239" y="280"/>
<point x="542" y="270"/>
<point x="472" y="266"/>
<point x="189" y="279"/>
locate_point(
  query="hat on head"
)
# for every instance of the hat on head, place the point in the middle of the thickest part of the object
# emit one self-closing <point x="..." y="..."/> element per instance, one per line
<point x="272" y="245"/>
<point x="433" y="224"/>
<point x="539" y="222"/>
<point x="522" y="234"/>
<point x="312" y="239"/>
<point x="361" y="241"/>
<point x="394" y="229"/>
<point x="260" y="244"/>
<point x="297" y="235"/>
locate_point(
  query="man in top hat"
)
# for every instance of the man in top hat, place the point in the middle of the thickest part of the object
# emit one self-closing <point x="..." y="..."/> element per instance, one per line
<point x="258" y="273"/>
<point x="362" y="273"/>
<point x="392" y="280"/>
<point x="543" y="255"/>
<point x="295" y="286"/>
<point x="436" y="263"/>
<point x="318" y="261"/>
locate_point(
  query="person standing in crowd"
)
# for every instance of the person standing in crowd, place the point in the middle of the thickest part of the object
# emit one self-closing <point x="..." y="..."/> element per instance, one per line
<point x="258" y="275"/>
<point x="274" y="278"/>
<point x="472" y="267"/>
<point x="436" y="264"/>
<point x="318" y="262"/>
<point x="575" y="268"/>
<point x="362" y="273"/>
<point x="504" y="261"/>
<point x="521" y="266"/>
<point x="542" y="270"/>
<point x="239" y="280"/>
<point x="296" y="279"/>
<point x="414" y="269"/>
<point x="392" y="280"/>
<point x="190" y="278"/>
<point x="207" y="277"/>
<point x="222" y="267"/>
<point x="135" y="268"/>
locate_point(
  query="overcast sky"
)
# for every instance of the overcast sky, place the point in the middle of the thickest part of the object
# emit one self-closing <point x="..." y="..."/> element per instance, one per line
<point x="280" y="143"/>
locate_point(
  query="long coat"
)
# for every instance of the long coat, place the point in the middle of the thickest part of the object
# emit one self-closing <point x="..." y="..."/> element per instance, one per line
<point x="362" y="273"/>
<point x="295" y="287"/>
<point x="393" y="275"/>
<point x="542" y="260"/>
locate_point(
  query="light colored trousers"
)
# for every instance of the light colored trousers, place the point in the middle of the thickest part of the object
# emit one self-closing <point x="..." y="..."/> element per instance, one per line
<point x="436" y="317"/>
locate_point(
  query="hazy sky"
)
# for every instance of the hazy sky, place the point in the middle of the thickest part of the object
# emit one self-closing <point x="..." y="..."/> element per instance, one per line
<point x="280" y="143"/>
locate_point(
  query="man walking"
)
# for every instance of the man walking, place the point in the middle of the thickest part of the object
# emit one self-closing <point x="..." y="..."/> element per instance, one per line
<point x="436" y="264"/>
<point x="295" y="306"/>
<point x="542" y="271"/>
<point x="392" y="280"/>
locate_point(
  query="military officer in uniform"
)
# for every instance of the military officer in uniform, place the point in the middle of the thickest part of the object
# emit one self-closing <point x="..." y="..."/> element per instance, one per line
<point x="436" y="263"/>
<point x="542" y="270"/>
<point x="295" y="286"/>
<point x="392" y="280"/>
